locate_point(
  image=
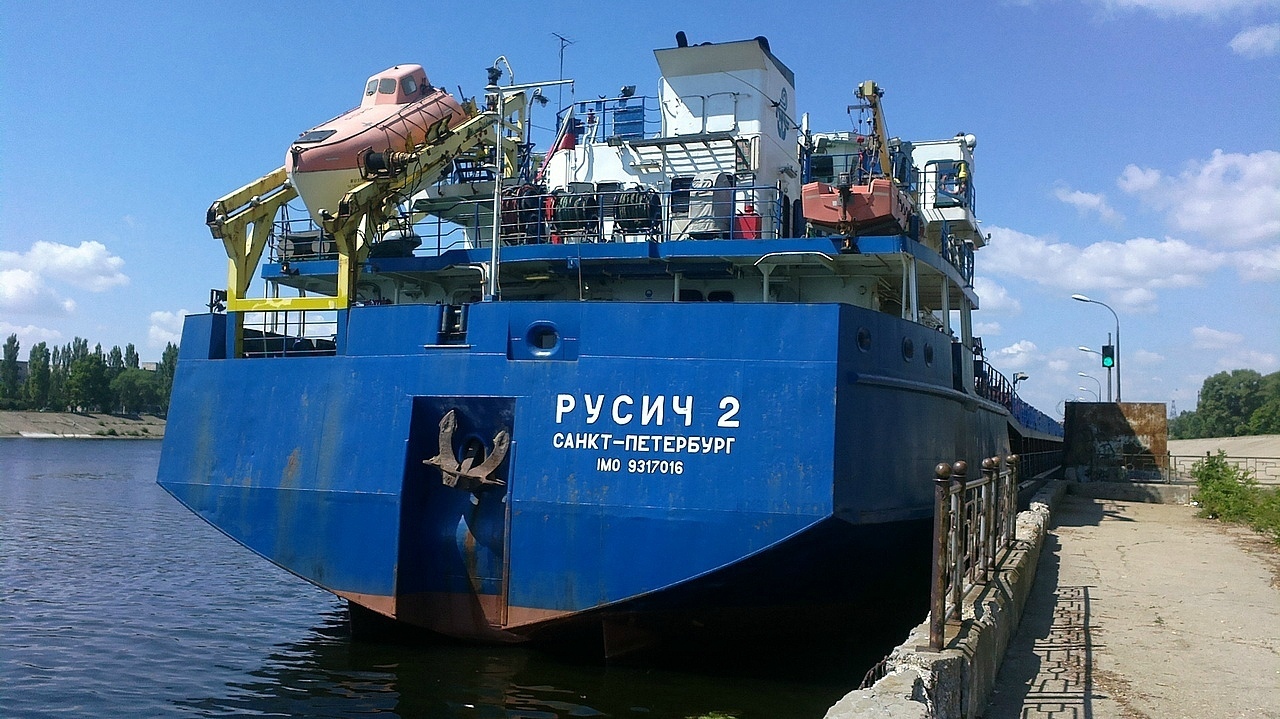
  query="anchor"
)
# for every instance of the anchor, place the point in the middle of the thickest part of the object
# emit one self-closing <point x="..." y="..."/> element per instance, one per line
<point x="468" y="475"/>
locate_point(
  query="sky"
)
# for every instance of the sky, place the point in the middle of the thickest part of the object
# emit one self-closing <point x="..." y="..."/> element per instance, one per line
<point x="1128" y="150"/>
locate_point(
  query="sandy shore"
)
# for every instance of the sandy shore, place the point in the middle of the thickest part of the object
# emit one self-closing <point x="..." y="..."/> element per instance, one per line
<point x="66" y="424"/>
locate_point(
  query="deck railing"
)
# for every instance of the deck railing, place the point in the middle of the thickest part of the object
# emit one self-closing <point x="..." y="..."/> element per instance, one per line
<point x="973" y="529"/>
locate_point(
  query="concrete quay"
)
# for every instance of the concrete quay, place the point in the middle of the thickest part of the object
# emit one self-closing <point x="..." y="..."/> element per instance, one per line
<point x="1144" y="610"/>
<point x="1108" y="608"/>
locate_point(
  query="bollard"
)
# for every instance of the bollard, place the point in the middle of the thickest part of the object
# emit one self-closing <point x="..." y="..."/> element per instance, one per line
<point x="938" y="587"/>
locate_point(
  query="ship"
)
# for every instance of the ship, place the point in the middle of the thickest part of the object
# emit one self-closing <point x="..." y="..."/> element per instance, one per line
<point x="684" y="374"/>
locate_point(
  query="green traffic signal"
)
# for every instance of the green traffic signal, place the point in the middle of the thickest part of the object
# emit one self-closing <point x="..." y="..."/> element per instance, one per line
<point x="1108" y="356"/>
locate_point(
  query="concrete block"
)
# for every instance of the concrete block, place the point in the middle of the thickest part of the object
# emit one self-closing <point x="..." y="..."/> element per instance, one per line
<point x="896" y="696"/>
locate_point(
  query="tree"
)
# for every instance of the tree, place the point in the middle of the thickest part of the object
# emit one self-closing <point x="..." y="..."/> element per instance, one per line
<point x="130" y="356"/>
<point x="57" y="381"/>
<point x="1266" y="418"/>
<point x="1227" y="401"/>
<point x="38" y="376"/>
<point x="115" y="362"/>
<point x="9" y="369"/>
<point x="87" y="385"/>
<point x="168" y="367"/>
<point x="136" y="390"/>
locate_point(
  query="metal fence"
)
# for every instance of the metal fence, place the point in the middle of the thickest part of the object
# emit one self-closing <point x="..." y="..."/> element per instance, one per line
<point x="1264" y="469"/>
<point x="973" y="529"/>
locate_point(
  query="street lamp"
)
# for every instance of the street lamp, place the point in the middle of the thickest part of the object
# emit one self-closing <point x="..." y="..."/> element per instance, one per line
<point x="1018" y="377"/>
<point x="1082" y="298"/>
<point x="1095" y="379"/>
<point x="1095" y="394"/>
<point x="1082" y="348"/>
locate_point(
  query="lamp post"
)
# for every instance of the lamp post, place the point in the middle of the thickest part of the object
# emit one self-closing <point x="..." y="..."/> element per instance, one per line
<point x="1095" y="394"/>
<point x="1096" y="380"/>
<point x="1018" y="377"/>
<point x="1082" y="348"/>
<point x="1082" y="298"/>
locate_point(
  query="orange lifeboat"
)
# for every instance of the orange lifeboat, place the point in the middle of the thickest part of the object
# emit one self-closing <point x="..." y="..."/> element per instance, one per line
<point x="400" y="110"/>
<point x="877" y="207"/>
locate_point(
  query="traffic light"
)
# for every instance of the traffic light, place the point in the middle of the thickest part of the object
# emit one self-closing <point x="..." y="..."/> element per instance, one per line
<point x="1108" y="356"/>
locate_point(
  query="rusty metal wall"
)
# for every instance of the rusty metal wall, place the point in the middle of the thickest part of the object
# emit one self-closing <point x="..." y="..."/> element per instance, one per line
<point x="1114" y="442"/>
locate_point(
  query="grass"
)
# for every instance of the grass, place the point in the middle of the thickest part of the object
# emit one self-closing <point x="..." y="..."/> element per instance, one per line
<point x="1232" y="494"/>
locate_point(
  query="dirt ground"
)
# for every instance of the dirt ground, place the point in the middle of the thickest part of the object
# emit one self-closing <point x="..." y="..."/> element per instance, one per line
<point x="65" y="424"/>
<point x="1146" y="611"/>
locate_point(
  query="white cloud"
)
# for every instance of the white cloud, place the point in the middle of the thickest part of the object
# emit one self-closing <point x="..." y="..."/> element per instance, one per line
<point x="1264" y="362"/>
<point x="1232" y="350"/>
<point x="27" y="280"/>
<point x="994" y="298"/>
<point x="1017" y="356"/>
<point x="1135" y="179"/>
<point x="1258" y="265"/>
<point x="1088" y="202"/>
<point x="987" y="329"/>
<point x="29" y="335"/>
<point x="24" y="292"/>
<point x="1206" y="338"/>
<point x="165" y="327"/>
<point x="1203" y="8"/>
<point x="1231" y="198"/>
<point x="1144" y="357"/>
<point x="89" y="266"/>
<point x="1132" y="269"/>
<point x="1259" y="41"/>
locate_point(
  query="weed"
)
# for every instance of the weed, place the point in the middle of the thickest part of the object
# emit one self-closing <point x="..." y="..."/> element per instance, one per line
<point x="1232" y="494"/>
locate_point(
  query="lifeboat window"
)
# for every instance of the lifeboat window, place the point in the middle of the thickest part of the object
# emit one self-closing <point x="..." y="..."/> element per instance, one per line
<point x="372" y="87"/>
<point x="409" y="85"/>
<point x="314" y="136"/>
<point x="387" y="86"/>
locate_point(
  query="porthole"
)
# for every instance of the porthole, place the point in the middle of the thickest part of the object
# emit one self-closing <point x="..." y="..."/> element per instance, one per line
<point x="864" y="339"/>
<point x="908" y="349"/>
<point x="928" y="354"/>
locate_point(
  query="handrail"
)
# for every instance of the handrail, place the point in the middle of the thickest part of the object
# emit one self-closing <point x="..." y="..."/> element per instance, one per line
<point x="973" y="530"/>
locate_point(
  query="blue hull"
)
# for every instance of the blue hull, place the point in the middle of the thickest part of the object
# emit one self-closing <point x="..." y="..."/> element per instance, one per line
<point x="671" y="465"/>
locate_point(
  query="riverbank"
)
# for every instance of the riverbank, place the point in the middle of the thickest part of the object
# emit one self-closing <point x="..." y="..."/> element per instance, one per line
<point x="69" y="424"/>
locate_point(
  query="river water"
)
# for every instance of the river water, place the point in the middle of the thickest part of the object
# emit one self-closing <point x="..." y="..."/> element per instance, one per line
<point x="117" y="601"/>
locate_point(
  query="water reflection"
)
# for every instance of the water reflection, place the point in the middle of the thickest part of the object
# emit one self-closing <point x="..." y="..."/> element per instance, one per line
<point x="330" y="675"/>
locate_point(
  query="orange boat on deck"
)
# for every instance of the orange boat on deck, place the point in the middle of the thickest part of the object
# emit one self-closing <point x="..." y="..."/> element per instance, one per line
<point x="400" y="109"/>
<point x="870" y="196"/>
<point x="873" y="208"/>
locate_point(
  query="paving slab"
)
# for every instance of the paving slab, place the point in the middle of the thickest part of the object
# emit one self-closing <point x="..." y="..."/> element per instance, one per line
<point x="1145" y="611"/>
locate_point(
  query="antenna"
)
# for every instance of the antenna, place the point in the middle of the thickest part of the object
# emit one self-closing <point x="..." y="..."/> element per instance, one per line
<point x="564" y="42"/>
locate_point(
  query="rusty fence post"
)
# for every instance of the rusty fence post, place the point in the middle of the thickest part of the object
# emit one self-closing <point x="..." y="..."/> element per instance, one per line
<point x="990" y="515"/>
<point x="941" y="532"/>
<point x="960" y="540"/>
<point x="1012" y="519"/>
